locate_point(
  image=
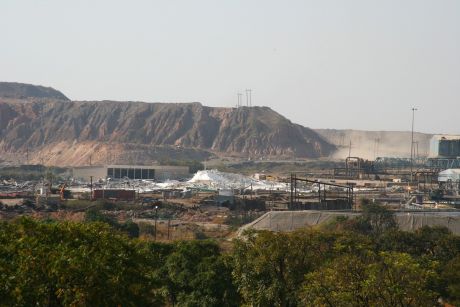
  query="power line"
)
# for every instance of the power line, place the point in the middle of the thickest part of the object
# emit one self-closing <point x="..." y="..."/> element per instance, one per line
<point x="250" y="97"/>
<point x="247" y="97"/>
<point x="239" y="99"/>
<point x="349" y="150"/>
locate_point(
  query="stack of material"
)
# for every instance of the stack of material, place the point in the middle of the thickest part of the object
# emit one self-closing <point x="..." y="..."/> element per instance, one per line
<point x="220" y="180"/>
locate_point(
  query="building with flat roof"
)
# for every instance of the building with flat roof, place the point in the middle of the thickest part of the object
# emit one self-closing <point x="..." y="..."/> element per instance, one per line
<point x="152" y="172"/>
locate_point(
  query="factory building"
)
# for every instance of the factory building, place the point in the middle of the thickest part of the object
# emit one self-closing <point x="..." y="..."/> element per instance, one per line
<point x="153" y="172"/>
<point x="445" y="146"/>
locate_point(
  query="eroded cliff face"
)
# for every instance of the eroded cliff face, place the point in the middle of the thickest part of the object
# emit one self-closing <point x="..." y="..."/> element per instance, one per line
<point x="258" y="131"/>
<point x="21" y="90"/>
<point x="62" y="131"/>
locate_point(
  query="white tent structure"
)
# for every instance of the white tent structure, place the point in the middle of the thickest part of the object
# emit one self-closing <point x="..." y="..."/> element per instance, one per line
<point x="220" y="180"/>
<point x="449" y="175"/>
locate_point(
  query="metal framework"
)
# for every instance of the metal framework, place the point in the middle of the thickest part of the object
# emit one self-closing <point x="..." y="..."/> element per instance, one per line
<point x="356" y="167"/>
<point x="294" y="198"/>
<point x="443" y="163"/>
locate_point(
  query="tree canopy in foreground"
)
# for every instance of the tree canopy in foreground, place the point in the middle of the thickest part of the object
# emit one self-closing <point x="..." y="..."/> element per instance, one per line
<point x="363" y="262"/>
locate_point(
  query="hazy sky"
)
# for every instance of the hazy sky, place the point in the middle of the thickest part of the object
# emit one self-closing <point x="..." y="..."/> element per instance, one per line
<point x="324" y="64"/>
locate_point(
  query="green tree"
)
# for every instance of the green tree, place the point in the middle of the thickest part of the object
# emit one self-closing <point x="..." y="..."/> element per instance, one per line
<point x="384" y="279"/>
<point x="269" y="267"/>
<point x="338" y="284"/>
<point x="198" y="275"/>
<point x="378" y="217"/>
<point x="451" y="280"/>
<point x="432" y="243"/>
<point x="57" y="264"/>
<point x="95" y="215"/>
<point x="129" y="227"/>
<point x="374" y="221"/>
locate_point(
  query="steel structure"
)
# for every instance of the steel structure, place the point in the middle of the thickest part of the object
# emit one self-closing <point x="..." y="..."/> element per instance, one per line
<point x="294" y="199"/>
<point x="355" y="167"/>
<point x="443" y="163"/>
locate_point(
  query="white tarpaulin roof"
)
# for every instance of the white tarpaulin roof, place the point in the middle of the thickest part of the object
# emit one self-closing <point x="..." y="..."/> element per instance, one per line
<point x="207" y="179"/>
<point x="221" y="180"/>
<point x="452" y="174"/>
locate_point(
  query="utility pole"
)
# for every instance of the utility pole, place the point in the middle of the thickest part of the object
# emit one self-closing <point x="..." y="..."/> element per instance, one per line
<point x="247" y="97"/>
<point x="349" y="150"/>
<point x="412" y="145"/>
<point x="250" y="97"/>
<point x="156" y="218"/>
<point x="239" y="99"/>
<point x="376" y="147"/>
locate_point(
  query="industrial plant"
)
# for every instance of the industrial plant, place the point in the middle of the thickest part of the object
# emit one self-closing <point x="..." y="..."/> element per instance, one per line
<point x="424" y="190"/>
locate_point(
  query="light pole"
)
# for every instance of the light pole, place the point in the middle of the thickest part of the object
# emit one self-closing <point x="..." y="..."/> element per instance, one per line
<point x="412" y="145"/>
<point x="156" y="217"/>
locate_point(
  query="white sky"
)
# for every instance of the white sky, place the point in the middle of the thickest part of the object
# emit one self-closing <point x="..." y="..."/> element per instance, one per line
<point x="358" y="64"/>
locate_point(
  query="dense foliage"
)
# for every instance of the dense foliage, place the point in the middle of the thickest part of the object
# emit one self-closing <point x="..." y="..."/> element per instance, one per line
<point x="58" y="264"/>
<point x="360" y="262"/>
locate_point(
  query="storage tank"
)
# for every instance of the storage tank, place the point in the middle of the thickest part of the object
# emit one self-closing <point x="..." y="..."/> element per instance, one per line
<point x="445" y="146"/>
